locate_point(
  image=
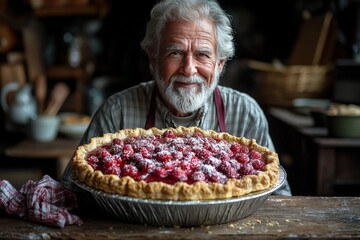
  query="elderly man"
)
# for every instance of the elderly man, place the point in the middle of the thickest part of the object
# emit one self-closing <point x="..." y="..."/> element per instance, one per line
<point x="188" y="43"/>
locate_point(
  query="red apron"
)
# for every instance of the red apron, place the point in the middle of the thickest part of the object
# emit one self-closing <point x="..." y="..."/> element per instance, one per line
<point x="220" y="110"/>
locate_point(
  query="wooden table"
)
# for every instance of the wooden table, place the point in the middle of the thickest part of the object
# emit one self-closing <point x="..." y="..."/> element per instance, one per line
<point x="329" y="162"/>
<point x="28" y="148"/>
<point x="282" y="217"/>
<point x="50" y="157"/>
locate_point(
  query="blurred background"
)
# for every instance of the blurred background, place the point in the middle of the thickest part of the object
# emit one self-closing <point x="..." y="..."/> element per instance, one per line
<point x="294" y="57"/>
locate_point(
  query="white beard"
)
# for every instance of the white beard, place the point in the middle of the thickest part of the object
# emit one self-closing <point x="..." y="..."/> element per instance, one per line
<point x="187" y="100"/>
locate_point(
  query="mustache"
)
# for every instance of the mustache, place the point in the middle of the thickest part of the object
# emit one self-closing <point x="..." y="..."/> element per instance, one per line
<point x="184" y="79"/>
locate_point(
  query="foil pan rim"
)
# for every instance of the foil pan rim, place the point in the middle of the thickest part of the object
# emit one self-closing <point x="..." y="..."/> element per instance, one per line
<point x="279" y="183"/>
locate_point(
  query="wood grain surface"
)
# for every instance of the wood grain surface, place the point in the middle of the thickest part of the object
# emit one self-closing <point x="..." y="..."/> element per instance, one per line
<point x="296" y="217"/>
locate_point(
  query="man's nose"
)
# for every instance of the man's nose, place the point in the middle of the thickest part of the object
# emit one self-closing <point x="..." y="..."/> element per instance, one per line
<point x="189" y="66"/>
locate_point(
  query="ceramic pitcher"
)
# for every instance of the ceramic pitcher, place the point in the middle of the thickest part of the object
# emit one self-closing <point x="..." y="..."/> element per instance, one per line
<point x="24" y="106"/>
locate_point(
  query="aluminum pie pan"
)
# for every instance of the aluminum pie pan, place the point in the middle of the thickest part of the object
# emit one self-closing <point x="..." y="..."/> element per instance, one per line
<point x="181" y="213"/>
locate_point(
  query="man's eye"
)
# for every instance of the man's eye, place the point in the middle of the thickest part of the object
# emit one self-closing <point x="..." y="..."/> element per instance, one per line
<point x="175" y="53"/>
<point x="203" y="55"/>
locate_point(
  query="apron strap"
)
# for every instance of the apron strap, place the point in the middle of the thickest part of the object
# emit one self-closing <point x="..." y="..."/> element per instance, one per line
<point x="150" y="121"/>
<point x="219" y="104"/>
<point x="220" y="109"/>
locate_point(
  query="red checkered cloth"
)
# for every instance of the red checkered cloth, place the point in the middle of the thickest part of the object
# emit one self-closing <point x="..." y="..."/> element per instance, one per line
<point x="45" y="201"/>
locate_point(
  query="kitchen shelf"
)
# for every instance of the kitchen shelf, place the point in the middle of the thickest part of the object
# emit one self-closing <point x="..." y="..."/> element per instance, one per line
<point x="99" y="9"/>
<point x="64" y="71"/>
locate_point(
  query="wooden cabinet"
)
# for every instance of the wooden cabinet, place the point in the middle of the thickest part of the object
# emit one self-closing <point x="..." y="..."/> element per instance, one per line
<point x="316" y="164"/>
<point x="44" y="41"/>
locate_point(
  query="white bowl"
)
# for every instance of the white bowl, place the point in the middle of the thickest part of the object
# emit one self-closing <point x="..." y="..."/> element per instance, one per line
<point x="44" y="128"/>
<point x="72" y="130"/>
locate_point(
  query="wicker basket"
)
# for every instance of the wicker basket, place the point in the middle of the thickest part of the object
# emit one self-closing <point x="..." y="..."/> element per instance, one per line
<point x="279" y="86"/>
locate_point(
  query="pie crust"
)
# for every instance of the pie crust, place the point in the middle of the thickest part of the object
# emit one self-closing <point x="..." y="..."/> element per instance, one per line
<point x="180" y="191"/>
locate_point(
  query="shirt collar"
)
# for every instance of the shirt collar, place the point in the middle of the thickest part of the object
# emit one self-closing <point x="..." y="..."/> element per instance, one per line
<point x="166" y="117"/>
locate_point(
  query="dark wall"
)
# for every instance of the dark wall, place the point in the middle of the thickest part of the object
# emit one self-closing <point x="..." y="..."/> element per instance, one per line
<point x="264" y="30"/>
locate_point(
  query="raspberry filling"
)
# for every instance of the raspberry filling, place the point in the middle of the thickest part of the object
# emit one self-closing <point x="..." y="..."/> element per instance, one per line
<point x="170" y="159"/>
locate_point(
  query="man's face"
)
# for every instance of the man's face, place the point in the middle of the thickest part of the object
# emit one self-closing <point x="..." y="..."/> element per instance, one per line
<point x="186" y="68"/>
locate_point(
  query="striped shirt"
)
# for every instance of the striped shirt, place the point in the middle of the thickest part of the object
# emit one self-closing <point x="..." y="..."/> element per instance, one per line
<point x="129" y="109"/>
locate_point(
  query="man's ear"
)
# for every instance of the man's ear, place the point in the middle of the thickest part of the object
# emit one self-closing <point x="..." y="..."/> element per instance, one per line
<point x="221" y="65"/>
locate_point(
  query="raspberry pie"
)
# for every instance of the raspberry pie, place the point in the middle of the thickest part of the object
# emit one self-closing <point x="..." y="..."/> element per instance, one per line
<point x="175" y="164"/>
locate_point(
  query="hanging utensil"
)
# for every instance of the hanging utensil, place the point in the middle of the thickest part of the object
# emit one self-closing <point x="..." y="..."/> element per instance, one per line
<point x="41" y="91"/>
<point x="58" y="96"/>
